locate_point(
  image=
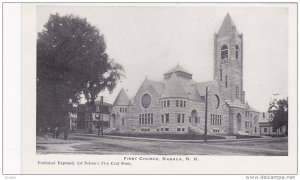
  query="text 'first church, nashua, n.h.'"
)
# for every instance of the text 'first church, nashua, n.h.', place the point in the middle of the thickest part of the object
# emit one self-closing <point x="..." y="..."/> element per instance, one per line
<point x="176" y="105"/>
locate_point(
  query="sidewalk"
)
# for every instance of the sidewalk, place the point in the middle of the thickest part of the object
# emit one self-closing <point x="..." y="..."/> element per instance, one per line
<point x="173" y="140"/>
<point x="50" y="140"/>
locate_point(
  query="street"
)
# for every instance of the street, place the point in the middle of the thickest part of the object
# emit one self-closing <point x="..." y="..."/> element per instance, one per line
<point x="78" y="144"/>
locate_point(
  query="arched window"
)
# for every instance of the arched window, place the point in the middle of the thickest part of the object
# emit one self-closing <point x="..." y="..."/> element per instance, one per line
<point x="237" y="49"/>
<point x="224" y="51"/>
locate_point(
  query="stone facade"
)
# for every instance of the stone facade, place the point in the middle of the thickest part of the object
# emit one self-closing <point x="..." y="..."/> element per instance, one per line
<point x="177" y="103"/>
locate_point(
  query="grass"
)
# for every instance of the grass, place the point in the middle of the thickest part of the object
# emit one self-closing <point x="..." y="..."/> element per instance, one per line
<point x="41" y="147"/>
<point x="238" y="136"/>
<point x="79" y="138"/>
<point x="170" y="136"/>
<point x="282" y="135"/>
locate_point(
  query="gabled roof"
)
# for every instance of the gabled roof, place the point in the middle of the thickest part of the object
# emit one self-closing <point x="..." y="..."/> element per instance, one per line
<point x="174" y="88"/>
<point x="158" y="86"/>
<point x="227" y="26"/>
<point x="201" y="87"/>
<point x="122" y="98"/>
<point x="190" y="89"/>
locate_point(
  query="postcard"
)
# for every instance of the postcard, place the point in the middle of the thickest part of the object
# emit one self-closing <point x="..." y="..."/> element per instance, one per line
<point x="159" y="88"/>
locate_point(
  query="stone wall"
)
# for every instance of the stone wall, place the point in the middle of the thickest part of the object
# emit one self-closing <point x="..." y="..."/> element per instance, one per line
<point x="131" y="118"/>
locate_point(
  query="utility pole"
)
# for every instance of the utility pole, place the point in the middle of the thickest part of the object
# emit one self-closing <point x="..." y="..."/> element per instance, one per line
<point x="101" y="115"/>
<point x="100" y="122"/>
<point x="205" y="130"/>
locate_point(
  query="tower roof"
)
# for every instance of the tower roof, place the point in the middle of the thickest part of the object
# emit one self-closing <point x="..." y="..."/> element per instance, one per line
<point x="174" y="88"/>
<point x="227" y="26"/>
<point x="122" y="98"/>
<point x="178" y="70"/>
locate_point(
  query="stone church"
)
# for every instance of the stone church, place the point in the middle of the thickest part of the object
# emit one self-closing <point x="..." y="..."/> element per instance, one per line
<point x="176" y="105"/>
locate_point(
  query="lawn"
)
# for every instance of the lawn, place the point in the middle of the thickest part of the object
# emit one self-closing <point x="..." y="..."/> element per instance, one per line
<point x="170" y="136"/>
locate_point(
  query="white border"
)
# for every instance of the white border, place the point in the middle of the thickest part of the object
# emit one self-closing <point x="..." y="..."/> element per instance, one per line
<point x="214" y="164"/>
<point x="11" y="88"/>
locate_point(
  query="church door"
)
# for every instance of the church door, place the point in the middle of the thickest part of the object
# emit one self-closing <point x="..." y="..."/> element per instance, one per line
<point x="195" y="119"/>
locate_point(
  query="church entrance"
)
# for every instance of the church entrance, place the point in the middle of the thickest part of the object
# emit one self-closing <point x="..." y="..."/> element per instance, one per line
<point x="194" y="118"/>
<point x="239" y="121"/>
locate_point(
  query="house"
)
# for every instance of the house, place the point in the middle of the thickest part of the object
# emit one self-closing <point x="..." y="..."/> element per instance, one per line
<point x="267" y="129"/>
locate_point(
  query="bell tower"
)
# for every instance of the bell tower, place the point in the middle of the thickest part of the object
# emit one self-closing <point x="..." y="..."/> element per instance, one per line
<point x="228" y="60"/>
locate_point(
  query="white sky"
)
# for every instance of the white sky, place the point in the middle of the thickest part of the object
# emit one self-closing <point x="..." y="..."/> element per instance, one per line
<point x="148" y="41"/>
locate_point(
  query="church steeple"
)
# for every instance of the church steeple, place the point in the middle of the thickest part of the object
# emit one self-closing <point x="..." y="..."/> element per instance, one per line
<point x="227" y="27"/>
<point x="228" y="61"/>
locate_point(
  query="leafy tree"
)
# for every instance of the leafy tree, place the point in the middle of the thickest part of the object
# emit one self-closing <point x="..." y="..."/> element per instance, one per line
<point x="278" y="110"/>
<point x="71" y="61"/>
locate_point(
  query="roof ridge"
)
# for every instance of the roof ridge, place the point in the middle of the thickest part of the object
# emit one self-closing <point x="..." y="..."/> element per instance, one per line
<point x="203" y="82"/>
<point x="155" y="81"/>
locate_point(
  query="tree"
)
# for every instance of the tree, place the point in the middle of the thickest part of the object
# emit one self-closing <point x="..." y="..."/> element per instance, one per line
<point x="278" y="110"/>
<point x="71" y="61"/>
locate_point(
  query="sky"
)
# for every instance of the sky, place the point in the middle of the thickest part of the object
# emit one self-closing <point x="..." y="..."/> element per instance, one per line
<point x="150" y="40"/>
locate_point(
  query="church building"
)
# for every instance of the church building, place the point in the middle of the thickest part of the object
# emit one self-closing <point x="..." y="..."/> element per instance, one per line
<point x="176" y="104"/>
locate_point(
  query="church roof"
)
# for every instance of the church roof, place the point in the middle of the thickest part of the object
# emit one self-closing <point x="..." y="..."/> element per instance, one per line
<point x="190" y="89"/>
<point x="227" y="26"/>
<point x="122" y="98"/>
<point x="158" y="86"/>
<point x="174" y="88"/>
<point x="178" y="68"/>
<point x="237" y="104"/>
<point x="201" y="87"/>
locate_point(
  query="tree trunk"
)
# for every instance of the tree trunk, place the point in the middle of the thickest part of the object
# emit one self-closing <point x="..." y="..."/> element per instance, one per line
<point x="66" y="125"/>
<point x="90" y="119"/>
<point x="66" y="134"/>
<point x="53" y="133"/>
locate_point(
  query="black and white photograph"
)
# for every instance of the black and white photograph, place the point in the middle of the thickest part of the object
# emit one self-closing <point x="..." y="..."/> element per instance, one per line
<point x="161" y="80"/>
<point x="151" y="89"/>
